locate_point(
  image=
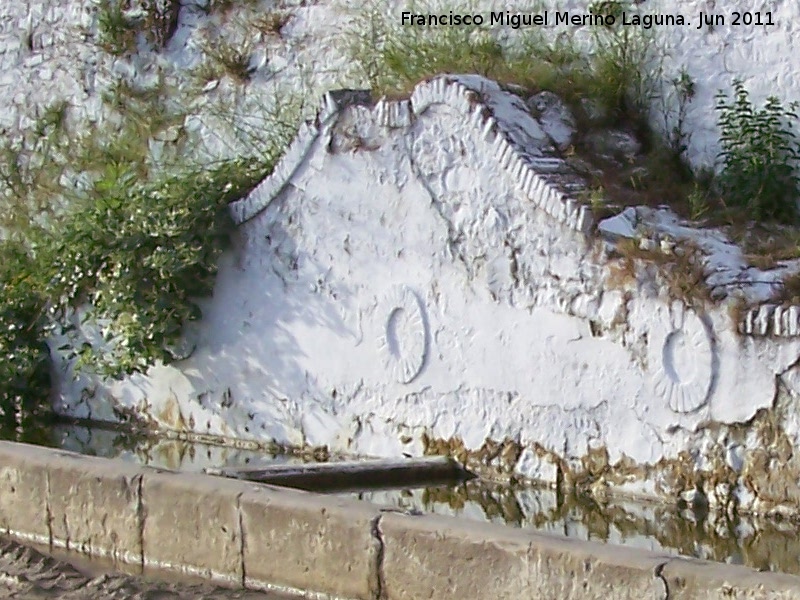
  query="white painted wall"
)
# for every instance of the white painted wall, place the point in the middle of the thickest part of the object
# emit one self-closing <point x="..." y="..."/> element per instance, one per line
<point x="420" y="280"/>
<point x="763" y="57"/>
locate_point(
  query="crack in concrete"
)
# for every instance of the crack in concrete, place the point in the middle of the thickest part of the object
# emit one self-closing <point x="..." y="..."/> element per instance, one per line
<point x="658" y="574"/>
<point x="378" y="584"/>
<point x="48" y="509"/>
<point x="140" y="515"/>
<point x="241" y="539"/>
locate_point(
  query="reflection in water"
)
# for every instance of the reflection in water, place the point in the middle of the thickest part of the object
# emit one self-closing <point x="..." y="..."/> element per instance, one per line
<point x="768" y="544"/>
<point x="759" y="543"/>
<point x="158" y="452"/>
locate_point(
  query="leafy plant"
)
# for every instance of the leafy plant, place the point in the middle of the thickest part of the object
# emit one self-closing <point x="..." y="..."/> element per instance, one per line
<point x="24" y="365"/>
<point x="93" y="226"/>
<point x="759" y="153"/>
<point x="141" y="253"/>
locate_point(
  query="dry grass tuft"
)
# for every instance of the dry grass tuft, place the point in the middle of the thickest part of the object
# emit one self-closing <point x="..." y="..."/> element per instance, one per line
<point x="681" y="274"/>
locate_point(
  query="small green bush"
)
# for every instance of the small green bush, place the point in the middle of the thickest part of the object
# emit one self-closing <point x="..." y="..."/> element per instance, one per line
<point x="759" y="152"/>
<point x="140" y="253"/>
<point x="24" y="365"/>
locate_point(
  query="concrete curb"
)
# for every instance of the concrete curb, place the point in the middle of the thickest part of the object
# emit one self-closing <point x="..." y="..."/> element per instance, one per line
<point x="267" y="537"/>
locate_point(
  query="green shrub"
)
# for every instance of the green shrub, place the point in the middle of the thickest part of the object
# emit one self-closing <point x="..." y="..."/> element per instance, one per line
<point x="141" y="253"/>
<point x="759" y="150"/>
<point x="24" y="365"/>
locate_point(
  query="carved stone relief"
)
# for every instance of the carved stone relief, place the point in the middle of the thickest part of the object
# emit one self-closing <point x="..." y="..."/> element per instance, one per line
<point x="404" y="341"/>
<point x="682" y="359"/>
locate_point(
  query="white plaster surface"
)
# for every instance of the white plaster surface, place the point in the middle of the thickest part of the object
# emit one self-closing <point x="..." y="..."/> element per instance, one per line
<point x="409" y="287"/>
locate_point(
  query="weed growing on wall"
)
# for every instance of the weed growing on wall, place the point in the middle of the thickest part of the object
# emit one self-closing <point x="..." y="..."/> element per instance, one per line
<point x="119" y="25"/>
<point x="229" y="59"/>
<point x="759" y="152"/>
<point x="624" y="66"/>
<point x="116" y="34"/>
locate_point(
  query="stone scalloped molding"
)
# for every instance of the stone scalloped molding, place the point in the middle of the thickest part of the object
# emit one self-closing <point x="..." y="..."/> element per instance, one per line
<point x="529" y="173"/>
<point x="538" y="178"/>
<point x="259" y="198"/>
<point x="771" y="320"/>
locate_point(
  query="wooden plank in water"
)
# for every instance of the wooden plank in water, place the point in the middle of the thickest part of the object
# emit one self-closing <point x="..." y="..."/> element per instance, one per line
<point x="355" y="475"/>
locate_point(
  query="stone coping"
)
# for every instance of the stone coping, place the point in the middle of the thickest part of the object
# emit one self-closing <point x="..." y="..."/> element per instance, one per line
<point x="265" y="537"/>
<point x="533" y="176"/>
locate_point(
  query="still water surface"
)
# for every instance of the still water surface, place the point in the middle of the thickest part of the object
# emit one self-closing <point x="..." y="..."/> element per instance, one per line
<point x="759" y="543"/>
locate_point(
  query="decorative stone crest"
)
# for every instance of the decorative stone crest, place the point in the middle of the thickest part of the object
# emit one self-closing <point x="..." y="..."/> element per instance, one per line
<point x="683" y="360"/>
<point x="404" y="342"/>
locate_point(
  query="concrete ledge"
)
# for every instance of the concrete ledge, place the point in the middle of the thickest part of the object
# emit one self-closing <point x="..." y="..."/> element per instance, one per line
<point x="84" y="489"/>
<point x="305" y="541"/>
<point x="25" y="491"/>
<point x="266" y="537"/>
<point x="689" y="578"/>
<point x="191" y="523"/>
<point x="427" y="556"/>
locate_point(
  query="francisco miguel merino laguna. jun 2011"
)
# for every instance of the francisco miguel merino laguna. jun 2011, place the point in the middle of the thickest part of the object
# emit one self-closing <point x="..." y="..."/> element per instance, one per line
<point x="556" y="18"/>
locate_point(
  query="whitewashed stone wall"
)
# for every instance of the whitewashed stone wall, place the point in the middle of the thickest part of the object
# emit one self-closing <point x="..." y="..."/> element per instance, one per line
<point x="418" y="276"/>
<point x="763" y="57"/>
<point x="44" y="58"/>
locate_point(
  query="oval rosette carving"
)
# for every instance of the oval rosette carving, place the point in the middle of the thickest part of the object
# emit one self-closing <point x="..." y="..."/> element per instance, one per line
<point x="682" y="361"/>
<point x="403" y="343"/>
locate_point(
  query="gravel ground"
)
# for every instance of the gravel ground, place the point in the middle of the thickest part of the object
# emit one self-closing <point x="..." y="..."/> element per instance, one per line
<point x="30" y="574"/>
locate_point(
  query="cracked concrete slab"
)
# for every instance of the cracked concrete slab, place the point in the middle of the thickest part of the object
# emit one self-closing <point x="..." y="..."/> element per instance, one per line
<point x="304" y="541"/>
